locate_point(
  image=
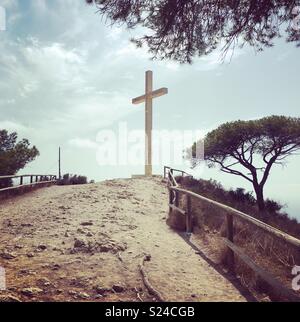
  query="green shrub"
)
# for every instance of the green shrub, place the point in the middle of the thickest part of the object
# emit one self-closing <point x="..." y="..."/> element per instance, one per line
<point x="72" y="180"/>
<point x="243" y="201"/>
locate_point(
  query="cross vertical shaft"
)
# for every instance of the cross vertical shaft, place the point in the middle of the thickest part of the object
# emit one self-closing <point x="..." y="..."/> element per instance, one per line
<point x="148" y="124"/>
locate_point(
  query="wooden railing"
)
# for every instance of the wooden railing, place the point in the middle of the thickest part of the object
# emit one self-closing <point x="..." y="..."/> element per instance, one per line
<point x="232" y="249"/>
<point x="172" y="171"/>
<point x="34" y="180"/>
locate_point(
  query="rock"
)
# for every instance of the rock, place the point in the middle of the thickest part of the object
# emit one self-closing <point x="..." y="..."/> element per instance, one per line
<point x="7" y="223"/>
<point x="105" y="248"/>
<point x="72" y="293"/>
<point x="118" y="288"/>
<point x="27" y="272"/>
<point x="83" y="295"/>
<point x="43" y="282"/>
<point x="80" y="282"/>
<point x="26" y="225"/>
<point x="148" y="258"/>
<point x="64" y="208"/>
<point x="98" y="296"/>
<point x="101" y="290"/>
<point x="42" y="247"/>
<point x="56" y="267"/>
<point x="67" y="234"/>
<point x="87" y="223"/>
<point x="12" y="289"/>
<point x="9" y="298"/>
<point x="8" y="256"/>
<point x="31" y="291"/>
<point x="136" y="289"/>
<point x="89" y="234"/>
<point x="30" y="255"/>
<point x="79" y="243"/>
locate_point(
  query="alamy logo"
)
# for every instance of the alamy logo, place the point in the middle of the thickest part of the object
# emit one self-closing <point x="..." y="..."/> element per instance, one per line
<point x="2" y="279"/>
<point x="296" y="280"/>
<point x="2" y="19"/>
<point x="296" y="20"/>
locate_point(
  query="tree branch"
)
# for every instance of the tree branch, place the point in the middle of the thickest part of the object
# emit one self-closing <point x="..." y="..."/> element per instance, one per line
<point x="226" y="169"/>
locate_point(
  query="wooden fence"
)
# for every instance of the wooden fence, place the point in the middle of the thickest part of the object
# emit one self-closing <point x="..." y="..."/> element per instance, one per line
<point x="232" y="249"/>
<point x="34" y="180"/>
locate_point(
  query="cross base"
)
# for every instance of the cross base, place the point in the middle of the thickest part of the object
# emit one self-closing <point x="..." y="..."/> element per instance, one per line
<point x="143" y="176"/>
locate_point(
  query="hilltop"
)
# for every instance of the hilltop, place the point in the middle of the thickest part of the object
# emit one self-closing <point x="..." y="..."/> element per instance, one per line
<point x="86" y="243"/>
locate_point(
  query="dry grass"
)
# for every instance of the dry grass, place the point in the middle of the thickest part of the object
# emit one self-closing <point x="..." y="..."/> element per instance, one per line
<point x="273" y="255"/>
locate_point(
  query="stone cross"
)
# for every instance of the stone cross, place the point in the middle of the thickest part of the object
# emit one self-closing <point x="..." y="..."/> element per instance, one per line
<point x="148" y="99"/>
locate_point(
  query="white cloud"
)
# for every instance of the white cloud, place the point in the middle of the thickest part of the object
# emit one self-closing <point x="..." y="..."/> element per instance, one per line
<point x="128" y="49"/>
<point x="13" y="127"/>
<point x="10" y="14"/>
<point x="115" y="33"/>
<point x="40" y="6"/>
<point x="31" y="68"/>
<point x="216" y="59"/>
<point x="7" y="101"/>
<point x="9" y="4"/>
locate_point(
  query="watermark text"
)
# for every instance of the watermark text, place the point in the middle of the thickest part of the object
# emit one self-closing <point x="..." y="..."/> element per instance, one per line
<point x="296" y="279"/>
<point x="2" y="19"/>
<point x="2" y="279"/>
<point x="128" y="147"/>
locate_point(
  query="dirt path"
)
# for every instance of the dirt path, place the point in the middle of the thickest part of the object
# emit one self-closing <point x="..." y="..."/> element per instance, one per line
<point x="86" y="242"/>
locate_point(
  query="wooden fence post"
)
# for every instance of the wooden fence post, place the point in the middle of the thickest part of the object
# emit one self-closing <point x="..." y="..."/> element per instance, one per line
<point x="31" y="179"/>
<point x="189" y="227"/>
<point x="230" y="237"/>
<point x="21" y="181"/>
<point x="170" y="200"/>
<point x="177" y="199"/>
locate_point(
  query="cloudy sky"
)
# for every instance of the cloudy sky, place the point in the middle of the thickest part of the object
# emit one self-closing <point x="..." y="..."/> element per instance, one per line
<point x="65" y="75"/>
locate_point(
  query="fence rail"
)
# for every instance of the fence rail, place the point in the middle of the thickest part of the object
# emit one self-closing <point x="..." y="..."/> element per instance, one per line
<point x="35" y="180"/>
<point x="232" y="249"/>
<point x="170" y="170"/>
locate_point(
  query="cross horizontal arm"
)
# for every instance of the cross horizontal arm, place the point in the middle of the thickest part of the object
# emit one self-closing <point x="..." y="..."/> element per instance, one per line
<point x="139" y="100"/>
<point x="154" y="94"/>
<point x="159" y="92"/>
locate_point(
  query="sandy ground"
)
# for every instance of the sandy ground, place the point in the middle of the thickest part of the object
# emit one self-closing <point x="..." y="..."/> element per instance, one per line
<point x="84" y="243"/>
